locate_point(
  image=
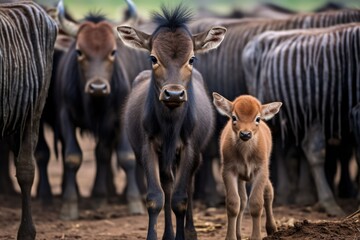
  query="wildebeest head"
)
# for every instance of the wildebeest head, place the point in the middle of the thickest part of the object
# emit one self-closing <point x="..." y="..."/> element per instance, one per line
<point x="96" y="51"/>
<point x="172" y="52"/>
<point x="245" y="113"/>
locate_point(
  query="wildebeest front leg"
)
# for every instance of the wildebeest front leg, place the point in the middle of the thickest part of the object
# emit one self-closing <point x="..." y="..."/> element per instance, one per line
<point x="103" y="154"/>
<point x="232" y="203"/>
<point x="42" y="156"/>
<point x="313" y="146"/>
<point x="126" y="159"/>
<point x="179" y="202"/>
<point x="155" y="195"/>
<point x="72" y="160"/>
<point x="25" y="176"/>
<point x="256" y="204"/>
<point x="190" y="232"/>
<point x="167" y="180"/>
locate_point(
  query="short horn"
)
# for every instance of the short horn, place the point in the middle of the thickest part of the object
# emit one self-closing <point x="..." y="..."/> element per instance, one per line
<point x="67" y="26"/>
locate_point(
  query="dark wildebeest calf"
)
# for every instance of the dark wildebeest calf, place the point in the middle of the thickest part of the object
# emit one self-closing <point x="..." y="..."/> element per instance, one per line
<point x="92" y="85"/>
<point x="169" y="117"/>
<point x="26" y="45"/>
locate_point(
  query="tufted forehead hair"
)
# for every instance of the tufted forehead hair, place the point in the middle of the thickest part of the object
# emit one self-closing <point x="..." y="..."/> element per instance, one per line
<point x="95" y="17"/>
<point x="172" y="19"/>
<point x="246" y="106"/>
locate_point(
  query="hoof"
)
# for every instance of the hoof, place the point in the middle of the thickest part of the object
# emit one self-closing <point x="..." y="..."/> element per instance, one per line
<point x="271" y="228"/>
<point x="190" y="234"/>
<point x="98" y="202"/>
<point x="305" y="199"/>
<point x="69" y="211"/>
<point x="136" y="207"/>
<point x="331" y="208"/>
<point x="26" y="232"/>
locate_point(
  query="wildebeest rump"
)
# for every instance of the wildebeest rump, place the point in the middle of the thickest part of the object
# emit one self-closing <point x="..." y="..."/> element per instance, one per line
<point x="168" y="116"/>
<point x="226" y="72"/>
<point x="27" y="43"/>
<point x="315" y="73"/>
<point x="92" y="84"/>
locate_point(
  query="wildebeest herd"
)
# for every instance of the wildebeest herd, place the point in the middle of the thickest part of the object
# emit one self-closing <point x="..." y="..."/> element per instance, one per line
<point x="147" y="91"/>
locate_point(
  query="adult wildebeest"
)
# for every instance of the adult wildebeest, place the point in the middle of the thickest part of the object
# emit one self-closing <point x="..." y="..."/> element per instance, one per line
<point x="168" y="116"/>
<point x="225" y="64"/>
<point x="27" y="43"/>
<point x="92" y="84"/>
<point x="315" y="73"/>
<point x="64" y="40"/>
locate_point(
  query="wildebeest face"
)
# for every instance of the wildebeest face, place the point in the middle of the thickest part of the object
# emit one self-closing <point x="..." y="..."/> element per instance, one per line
<point x="172" y="53"/>
<point x="96" y="52"/>
<point x="172" y="58"/>
<point x="245" y="113"/>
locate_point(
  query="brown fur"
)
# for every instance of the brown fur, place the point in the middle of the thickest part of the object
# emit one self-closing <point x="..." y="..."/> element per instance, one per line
<point x="246" y="161"/>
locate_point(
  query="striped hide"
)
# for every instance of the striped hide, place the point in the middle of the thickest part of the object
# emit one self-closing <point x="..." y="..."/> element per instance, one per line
<point x="316" y="73"/>
<point x="26" y="50"/>
<point x="26" y="43"/>
<point x="222" y="69"/>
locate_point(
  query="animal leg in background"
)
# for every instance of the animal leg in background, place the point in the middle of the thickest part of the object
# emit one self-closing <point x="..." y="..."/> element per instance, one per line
<point x="126" y="159"/>
<point x="6" y="185"/>
<point x="313" y="146"/>
<point x="72" y="158"/>
<point x="42" y="156"/>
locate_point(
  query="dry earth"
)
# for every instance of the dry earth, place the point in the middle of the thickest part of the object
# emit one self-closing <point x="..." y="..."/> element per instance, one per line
<point x="113" y="222"/>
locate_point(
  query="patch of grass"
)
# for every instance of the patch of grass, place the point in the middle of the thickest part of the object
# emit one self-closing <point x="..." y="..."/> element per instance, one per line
<point x="113" y="8"/>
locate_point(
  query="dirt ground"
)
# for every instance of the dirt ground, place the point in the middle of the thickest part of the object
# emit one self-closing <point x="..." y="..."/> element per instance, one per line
<point x="113" y="222"/>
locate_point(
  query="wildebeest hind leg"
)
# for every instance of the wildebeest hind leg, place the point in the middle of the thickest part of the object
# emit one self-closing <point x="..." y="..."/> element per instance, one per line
<point x="25" y="176"/>
<point x="313" y="146"/>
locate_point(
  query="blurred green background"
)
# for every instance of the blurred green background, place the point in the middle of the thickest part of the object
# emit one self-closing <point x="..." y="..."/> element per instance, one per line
<point x="113" y="8"/>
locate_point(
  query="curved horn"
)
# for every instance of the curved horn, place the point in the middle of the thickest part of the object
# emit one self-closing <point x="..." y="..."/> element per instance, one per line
<point x="67" y="26"/>
<point x="131" y="17"/>
<point x="131" y="9"/>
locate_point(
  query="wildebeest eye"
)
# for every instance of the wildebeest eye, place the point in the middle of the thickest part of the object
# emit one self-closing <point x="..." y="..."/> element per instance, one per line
<point x="234" y="119"/>
<point x="113" y="52"/>
<point x="192" y="60"/>
<point x="79" y="53"/>
<point x="257" y="120"/>
<point x="153" y="59"/>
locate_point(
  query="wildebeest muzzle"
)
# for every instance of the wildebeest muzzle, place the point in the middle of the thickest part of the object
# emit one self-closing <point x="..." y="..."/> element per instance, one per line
<point x="173" y="95"/>
<point x="245" y="135"/>
<point x="97" y="87"/>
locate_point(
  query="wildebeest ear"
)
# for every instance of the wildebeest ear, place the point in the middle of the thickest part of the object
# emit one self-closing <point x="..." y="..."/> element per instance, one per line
<point x="208" y="40"/>
<point x="269" y="110"/>
<point x="134" y="38"/>
<point x="223" y="105"/>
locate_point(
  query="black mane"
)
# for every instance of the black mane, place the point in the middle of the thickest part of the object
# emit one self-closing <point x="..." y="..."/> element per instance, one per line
<point x="172" y="19"/>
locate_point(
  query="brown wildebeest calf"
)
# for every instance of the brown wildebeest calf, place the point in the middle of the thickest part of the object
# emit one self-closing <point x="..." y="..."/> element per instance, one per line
<point x="245" y="147"/>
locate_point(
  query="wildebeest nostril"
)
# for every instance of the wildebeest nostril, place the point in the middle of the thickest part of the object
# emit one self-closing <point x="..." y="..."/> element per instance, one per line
<point x="182" y="94"/>
<point x="167" y="94"/>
